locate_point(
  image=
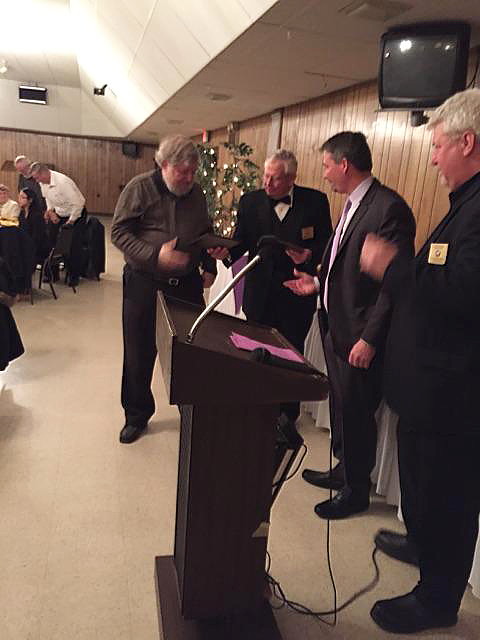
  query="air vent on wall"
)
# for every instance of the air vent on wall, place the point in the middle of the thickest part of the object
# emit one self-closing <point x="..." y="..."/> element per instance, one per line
<point x="35" y="95"/>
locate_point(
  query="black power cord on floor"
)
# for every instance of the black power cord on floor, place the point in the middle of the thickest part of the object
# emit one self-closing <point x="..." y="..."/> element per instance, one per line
<point x="278" y="592"/>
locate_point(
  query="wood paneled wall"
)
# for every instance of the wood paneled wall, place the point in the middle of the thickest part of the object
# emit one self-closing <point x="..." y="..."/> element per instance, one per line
<point x="97" y="166"/>
<point x="401" y="153"/>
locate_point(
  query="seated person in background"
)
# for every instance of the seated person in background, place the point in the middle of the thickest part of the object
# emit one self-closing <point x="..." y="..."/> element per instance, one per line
<point x="16" y="247"/>
<point x="11" y="346"/>
<point x="31" y="220"/>
<point x="9" y="209"/>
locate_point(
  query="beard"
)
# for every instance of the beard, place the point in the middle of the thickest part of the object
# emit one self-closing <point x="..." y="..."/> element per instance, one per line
<point x="176" y="189"/>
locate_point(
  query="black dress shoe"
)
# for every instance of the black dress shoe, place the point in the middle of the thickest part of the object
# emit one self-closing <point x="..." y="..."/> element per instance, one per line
<point x="130" y="433"/>
<point x="396" y="545"/>
<point x="325" y="479"/>
<point x="344" y="504"/>
<point x="406" y="614"/>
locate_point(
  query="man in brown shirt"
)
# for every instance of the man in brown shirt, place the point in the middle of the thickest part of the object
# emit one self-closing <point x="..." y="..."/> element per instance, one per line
<point x="155" y="210"/>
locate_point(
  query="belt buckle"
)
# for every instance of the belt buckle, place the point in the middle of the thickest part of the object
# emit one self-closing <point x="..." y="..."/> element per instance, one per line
<point x="173" y="282"/>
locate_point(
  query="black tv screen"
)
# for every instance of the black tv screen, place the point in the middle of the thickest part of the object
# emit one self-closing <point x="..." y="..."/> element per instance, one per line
<point x="422" y="65"/>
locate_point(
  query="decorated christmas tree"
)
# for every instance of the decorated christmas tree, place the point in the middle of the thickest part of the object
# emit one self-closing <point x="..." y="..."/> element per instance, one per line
<point x="223" y="187"/>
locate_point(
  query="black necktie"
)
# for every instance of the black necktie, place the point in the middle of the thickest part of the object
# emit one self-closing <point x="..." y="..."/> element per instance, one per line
<point x="286" y="199"/>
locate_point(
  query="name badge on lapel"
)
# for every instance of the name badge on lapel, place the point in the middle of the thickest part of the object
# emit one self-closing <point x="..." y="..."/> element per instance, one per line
<point x="437" y="253"/>
<point x="307" y="233"/>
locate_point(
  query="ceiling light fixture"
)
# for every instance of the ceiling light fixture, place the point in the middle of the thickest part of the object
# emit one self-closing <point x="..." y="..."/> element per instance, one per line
<point x="3" y="66"/>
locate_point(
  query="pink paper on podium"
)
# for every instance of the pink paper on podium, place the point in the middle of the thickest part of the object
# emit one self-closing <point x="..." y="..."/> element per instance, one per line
<point x="242" y="342"/>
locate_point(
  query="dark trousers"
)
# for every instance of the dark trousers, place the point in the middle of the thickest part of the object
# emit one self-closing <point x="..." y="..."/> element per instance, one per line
<point x="440" y="488"/>
<point x="355" y="395"/>
<point x="139" y="339"/>
<point x="74" y="261"/>
<point x="294" y="326"/>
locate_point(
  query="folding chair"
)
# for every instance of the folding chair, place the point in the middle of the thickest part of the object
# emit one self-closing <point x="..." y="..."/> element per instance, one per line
<point x="59" y="253"/>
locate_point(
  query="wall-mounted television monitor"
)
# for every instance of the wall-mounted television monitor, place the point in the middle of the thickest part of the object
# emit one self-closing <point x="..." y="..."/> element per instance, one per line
<point x="422" y="64"/>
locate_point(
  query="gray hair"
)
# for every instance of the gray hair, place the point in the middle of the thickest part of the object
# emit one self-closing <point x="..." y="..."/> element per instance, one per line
<point x="176" y="149"/>
<point x="23" y="159"/>
<point x="287" y="158"/>
<point x="459" y="113"/>
<point x="38" y="167"/>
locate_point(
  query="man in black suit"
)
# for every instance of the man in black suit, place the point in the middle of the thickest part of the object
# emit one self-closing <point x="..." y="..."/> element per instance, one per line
<point x="432" y="380"/>
<point x="295" y="214"/>
<point x="354" y="318"/>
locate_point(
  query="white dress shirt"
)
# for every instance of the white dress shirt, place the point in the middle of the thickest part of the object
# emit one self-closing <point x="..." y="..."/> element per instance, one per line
<point x="282" y="208"/>
<point x="355" y="198"/>
<point x="63" y="195"/>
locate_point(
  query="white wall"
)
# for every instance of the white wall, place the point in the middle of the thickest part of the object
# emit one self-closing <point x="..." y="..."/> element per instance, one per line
<point x="69" y="111"/>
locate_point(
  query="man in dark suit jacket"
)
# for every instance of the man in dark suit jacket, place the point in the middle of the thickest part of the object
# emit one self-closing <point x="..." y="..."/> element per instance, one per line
<point x="432" y="380"/>
<point x="354" y="318"/>
<point x="25" y="181"/>
<point x="297" y="215"/>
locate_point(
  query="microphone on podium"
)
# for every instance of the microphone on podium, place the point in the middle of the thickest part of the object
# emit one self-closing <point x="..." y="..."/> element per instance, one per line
<point x="265" y="246"/>
<point x="260" y="354"/>
<point x="262" y="253"/>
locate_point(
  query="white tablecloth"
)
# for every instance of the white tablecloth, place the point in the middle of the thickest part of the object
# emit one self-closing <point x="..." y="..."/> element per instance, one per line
<point x="227" y="305"/>
<point x="385" y="474"/>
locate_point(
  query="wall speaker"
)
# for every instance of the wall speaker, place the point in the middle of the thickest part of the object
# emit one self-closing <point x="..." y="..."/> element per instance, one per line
<point x="130" y="149"/>
<point x="35" y="95"/>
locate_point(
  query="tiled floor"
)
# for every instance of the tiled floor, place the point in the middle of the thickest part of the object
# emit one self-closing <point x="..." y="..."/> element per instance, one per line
<point x="82" y="516"/>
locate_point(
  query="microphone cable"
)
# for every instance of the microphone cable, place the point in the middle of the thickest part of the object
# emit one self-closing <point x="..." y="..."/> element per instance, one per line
<point x="278" y="592"/>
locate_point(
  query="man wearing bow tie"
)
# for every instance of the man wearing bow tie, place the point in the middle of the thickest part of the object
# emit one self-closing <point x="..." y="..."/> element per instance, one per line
<point x="295" y="214"/>
<point x="354" y="318"/>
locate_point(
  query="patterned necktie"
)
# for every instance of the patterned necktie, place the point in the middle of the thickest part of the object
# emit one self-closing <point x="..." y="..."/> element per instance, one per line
<point x="335" y="244"/>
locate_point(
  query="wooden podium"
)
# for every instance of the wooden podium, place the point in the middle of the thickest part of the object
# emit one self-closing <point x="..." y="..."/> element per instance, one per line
<point x="213" y="588"/>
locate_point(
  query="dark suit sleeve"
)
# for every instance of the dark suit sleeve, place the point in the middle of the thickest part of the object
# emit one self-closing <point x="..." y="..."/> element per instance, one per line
<point x="241" y="232"/>
<point x="452" y="289"/>
<point x="322" y="232"/>
<point x="398" y="226"/>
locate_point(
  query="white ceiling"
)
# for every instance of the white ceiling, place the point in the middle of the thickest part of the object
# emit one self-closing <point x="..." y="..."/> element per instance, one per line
<point x="161" y="59"/>
<point x="299" y="49"/>
<point x="38" y="42"/>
